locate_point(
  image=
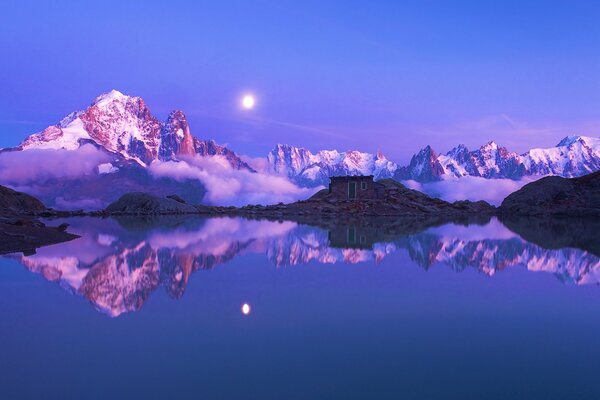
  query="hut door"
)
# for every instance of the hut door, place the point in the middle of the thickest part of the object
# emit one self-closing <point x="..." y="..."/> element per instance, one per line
<point x="352" y="190"/>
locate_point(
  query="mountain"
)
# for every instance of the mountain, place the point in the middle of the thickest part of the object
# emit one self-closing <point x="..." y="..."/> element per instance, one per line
<point x="424" y="167"/>
<point x="124" y="125"/>
<point x="117" y="137"/>
<point x="573" y="156"/>
<point x="308" y="169"/>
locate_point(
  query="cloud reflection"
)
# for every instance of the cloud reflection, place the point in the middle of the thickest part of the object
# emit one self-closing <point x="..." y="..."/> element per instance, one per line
<point x="117" y="265"/>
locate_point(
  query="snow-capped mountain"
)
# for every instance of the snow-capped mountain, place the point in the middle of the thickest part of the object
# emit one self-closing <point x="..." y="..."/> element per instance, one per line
<point x="424" y="167"/>
<point x="573" y="156"/>
<point x="308" y="169"/>
<point x="124" y="125"/>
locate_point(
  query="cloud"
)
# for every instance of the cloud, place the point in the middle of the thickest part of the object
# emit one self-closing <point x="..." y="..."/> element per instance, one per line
<point x="85" y="204"/>
<point x="228" y="186"/>
<point x="24" y="167"/>
<point x="260" y="164"/>
<point x="470" y="188"/>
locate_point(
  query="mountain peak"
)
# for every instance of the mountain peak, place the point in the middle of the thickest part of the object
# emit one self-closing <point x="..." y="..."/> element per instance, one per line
<point x="111" y="96"/>
<point x="176" y="115"/>
<point x="124" y="125"/>
<point x="569" y="140"/>
<point x="427" y="151"/>
<point x="490" y="145"/>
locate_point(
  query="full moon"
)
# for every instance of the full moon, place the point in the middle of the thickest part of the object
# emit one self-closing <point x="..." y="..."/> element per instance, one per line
<point x="246" y="309"/>
<point x="248" y="102"/>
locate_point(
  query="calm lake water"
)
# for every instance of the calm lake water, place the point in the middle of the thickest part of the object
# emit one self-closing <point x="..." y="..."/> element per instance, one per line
<point x="245" y="309"/>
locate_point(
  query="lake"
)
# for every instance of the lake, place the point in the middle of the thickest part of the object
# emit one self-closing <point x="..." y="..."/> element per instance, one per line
<point x="229" y="308"/>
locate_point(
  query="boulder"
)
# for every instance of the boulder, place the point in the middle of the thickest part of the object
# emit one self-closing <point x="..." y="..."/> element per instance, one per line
<point x="147" y="204"/>
<point x="554" y="195"/>
<point x="18" y="203"/>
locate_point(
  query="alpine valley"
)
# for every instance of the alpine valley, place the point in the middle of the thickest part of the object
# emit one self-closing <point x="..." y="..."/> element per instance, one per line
<point x="129" y="139"/>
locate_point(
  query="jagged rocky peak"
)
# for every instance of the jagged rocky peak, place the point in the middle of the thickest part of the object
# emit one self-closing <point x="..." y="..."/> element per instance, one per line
<point x="288" y="160"/>
<point x="176" y="139"/>
<point x="124" y="125"/>
<point x="489" y="146"/>
<point x="424" y="167"/>
<point x="459" y="153"/>
<point x="427" y="151"/>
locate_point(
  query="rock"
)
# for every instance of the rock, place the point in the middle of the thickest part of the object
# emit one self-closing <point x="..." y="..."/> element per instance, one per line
<point x="144" y="203"/>
<point x="62" y="227"/>
<point x="555" y="195"/>
<point x="18" y="203"/>
<point x="176" y="198"/>
<point x="19" y="232"/>
<point x="397" y="200"/>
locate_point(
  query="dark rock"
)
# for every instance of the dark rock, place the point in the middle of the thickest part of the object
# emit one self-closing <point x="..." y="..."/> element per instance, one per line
<point x="62" y="227"/>
<point x="397" y="200"/>
<point x="176" y="198"/>
<point x="555" y="195"/>
<point x="147" y="204"/>
<point x="19" y="232"/>
<point x="17" y="203"/>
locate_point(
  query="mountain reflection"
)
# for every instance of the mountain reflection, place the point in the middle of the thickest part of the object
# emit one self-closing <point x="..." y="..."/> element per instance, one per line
<point x="118" y="263"/>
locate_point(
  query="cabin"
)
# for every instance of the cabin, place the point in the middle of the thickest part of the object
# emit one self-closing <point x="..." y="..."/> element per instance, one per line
<point x="361" y="187"/>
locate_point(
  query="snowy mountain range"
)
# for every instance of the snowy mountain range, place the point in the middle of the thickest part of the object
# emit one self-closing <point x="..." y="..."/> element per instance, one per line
<point x="125" y="126"/>
<point x="573" y="156"/>
<point x="308" y="169"/>
<point x="131" y="138"/>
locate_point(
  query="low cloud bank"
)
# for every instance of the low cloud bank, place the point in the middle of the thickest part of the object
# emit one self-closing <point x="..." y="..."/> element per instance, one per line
<point x="84" y="204"/>
<point x="30" y="166"/>
<point x="228" y="186"/>
<point x="260" y="164"/>
<point x="470" y="188"/>
<point x="38" y="172"/>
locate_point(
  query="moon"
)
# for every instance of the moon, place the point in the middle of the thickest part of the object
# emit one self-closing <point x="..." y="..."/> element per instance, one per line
<point x="248" y="102"/>
<point x="245" y="308"/>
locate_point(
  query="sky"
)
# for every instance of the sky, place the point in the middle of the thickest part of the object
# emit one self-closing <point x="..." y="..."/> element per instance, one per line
<point x="383" y="75"/>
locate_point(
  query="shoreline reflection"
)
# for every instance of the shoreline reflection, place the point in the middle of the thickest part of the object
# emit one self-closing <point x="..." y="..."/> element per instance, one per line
<point x="118" y="264"/>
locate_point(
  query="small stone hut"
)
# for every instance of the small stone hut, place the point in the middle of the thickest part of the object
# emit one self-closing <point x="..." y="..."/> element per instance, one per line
<point x="355" y="188"/>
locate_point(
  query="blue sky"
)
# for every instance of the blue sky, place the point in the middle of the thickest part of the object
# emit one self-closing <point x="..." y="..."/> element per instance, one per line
<point x="394" y="75"/>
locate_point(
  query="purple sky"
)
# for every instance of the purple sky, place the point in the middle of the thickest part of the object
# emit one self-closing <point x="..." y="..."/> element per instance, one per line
<point x="326" y="74"/>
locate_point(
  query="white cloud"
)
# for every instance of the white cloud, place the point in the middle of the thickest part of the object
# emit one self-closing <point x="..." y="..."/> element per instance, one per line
<point x="470" y="188"/>
<point x="30" y="166"/>
<point x="228" y="186"/>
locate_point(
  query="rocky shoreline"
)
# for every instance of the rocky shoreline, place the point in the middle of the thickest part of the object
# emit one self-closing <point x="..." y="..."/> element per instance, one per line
<point x="556" y="196"/>
<point x="20" y="230"/>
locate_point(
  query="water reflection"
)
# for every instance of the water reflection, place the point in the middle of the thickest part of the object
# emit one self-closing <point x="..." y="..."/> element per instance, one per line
<point x="117" y="264"/>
